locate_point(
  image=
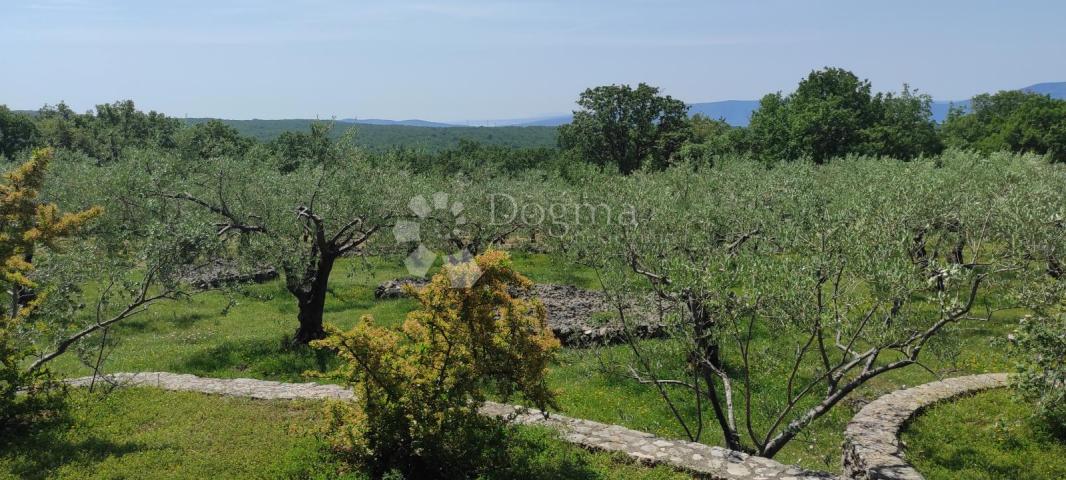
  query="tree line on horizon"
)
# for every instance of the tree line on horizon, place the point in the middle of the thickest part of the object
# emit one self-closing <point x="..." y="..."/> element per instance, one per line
<point x="832" y="113"/>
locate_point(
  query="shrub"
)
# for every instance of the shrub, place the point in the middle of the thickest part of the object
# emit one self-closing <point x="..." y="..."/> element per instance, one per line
<point x="1013" y="121"/>
<point x="1040" y="344"/>
<point x="27" y="224"/>
<point x="419" y="387"/>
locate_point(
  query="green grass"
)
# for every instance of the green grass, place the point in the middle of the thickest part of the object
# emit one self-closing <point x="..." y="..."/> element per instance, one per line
<point x="984" y="437"/>
<point x="594" y="385"/>
<point x="244" y="333"/>
<point x="147" y="433"/>
<point x="206" y="336"/>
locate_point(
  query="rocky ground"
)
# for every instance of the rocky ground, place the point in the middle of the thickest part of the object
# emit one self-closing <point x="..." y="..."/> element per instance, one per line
<point x="578" y="317"/>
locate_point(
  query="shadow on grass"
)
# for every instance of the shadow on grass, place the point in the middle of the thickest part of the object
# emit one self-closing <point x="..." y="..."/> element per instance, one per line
<point x="493" y="452"/>
<point x="41" y="450"/>
<point x="972" y="460"/>
<point x="275" y="359"/>
<point x="165" y="323"/>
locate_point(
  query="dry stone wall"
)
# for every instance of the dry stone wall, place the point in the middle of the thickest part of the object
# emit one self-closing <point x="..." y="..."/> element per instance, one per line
<point x="872" y="449"/>
<point x="703" y="460"/>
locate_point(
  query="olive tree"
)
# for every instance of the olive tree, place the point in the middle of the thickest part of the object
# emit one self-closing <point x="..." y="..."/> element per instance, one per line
<point x="470" y="214"/>
<point x="301" y="221"/>
<point x="137" y="253"/>
<point x="786" y="290"/>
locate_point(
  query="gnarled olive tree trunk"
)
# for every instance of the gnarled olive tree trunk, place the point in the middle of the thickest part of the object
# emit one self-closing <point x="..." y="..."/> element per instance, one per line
<point x="307" y="279"/>
<point x="310" y="290"/>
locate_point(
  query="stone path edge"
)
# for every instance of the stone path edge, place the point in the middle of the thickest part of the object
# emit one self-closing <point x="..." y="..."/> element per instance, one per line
<point x="702" y="460"/>
<point x="872" y="450"/>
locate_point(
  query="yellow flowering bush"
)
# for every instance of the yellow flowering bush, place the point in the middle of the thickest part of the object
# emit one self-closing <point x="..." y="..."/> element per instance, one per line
<point x="419" y="387"/>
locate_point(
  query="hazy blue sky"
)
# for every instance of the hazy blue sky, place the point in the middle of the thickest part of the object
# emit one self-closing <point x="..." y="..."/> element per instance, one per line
<point x="452" y="60"/>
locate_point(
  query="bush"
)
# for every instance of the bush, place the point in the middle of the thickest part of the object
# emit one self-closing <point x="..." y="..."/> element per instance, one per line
<point x="419" y="387"/>
<point x="1012" y="121"/>
<point x="1040" y="343"/>
<point x="27" y="224"/>
<point x="17" y="132"/>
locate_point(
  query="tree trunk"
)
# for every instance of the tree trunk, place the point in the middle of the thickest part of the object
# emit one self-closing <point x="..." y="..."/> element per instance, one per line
<point x="311" y="300"/>
<point x="20" y="295"/>
<point x="311" y="305"/>
<point x="1054" y="268"/>
<point x="707" y="345"/>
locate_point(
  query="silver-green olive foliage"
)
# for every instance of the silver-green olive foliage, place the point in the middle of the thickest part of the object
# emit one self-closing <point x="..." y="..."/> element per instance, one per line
<point x="808" y="281"/>
<point x="300" y="221"/>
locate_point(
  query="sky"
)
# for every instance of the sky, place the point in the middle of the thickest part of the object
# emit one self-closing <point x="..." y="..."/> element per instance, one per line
<point x="475" y="59"/>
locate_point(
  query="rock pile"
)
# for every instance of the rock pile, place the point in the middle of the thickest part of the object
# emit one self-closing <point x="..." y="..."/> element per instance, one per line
<point x="578" y="317"/>
<point x="397" y="288"/>
<point x="219" y="272"/>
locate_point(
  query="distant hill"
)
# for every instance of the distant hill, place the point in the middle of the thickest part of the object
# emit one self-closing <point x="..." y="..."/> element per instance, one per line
<point x="1053" y="89"/>
<point x="407" y="123"/>
<point x="738" y="112"/>
<point x="545" y="121"/>
<point x="532" y="132"/>
<point x="383" y="137"/>
<point x="940" y="109"/>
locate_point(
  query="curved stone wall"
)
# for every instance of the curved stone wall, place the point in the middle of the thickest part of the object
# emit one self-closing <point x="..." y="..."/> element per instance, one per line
<point x="705" y="461"/>
<point x="871" y="442"/>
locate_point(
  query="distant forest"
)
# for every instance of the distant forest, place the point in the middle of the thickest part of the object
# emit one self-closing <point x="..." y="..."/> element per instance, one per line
<point x="832" y="113"/>
<point x="386" y="137"/>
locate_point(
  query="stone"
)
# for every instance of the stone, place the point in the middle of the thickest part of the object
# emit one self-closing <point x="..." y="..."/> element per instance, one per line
<point x="872" y="450"/>
<point x="640" y="446"/>
<point x="577" y="317"/>
<point x="397" y="288"/>
<point x="217" y="273"/>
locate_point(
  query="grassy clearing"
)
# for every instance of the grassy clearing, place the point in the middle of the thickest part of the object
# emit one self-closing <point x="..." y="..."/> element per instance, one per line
<point x="148" y="433"/>
<point x="984" y="437"/>
<point x="243" y="335"/>
<point x="136" y="433"/>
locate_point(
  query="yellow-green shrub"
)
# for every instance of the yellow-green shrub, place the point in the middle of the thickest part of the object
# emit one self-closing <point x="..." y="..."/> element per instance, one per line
<point x="419" y="387"/>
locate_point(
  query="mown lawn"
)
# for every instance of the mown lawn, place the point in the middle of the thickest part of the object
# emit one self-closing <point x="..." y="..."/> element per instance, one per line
<point x="143" y="433"/>
<point x="243" y="335"/>
<point x="988" y="436"/>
